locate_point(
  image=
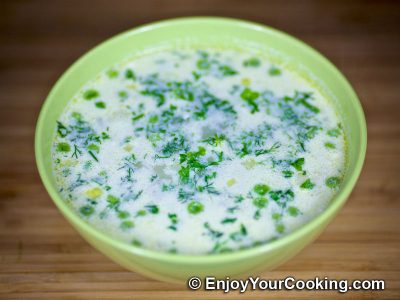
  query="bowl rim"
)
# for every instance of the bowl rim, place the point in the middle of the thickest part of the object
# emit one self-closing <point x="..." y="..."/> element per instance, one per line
<point x="338" y="200"/>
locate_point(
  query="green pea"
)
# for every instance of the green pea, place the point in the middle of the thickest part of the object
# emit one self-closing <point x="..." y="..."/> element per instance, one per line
<point x="94" y="147"/>
<point x="260" y="202"/>
<point x="112" y="200"/>
<point x="129" y="74"/>
<point x="293" y="211"/>
<point x="141" y="213"/>
<point x="123" y="214"/>
<point x="252" y="62"/>
<point x="127" y="225"/>
<point x="173" y="218"/>
<point x="274" y="71"/>
<point x="261" y="189"/>
<point x="112" y="73"/>
<point x="334" y="132"/>
<point x="153" y="119"/>
<point x="123" y="94"/>
<point x="330" y="145"/>
<point x="249" y="95"/>
<point x="86" y="210"/>
<point x="276" y="216"/>
<point x="136" y="243"/>
<point x="90" y="94"/>
<point x="287" y="173"/>
<point x="280" y="228"/>
<point x="332" y="182"/>
<point x="195" y="207"/>
<point x="63" y="147"/>
<point x="298" y="164"/>
<point x="100" y="104"/>
<point x="203" y="64"/>
<point x="307" y="185"/>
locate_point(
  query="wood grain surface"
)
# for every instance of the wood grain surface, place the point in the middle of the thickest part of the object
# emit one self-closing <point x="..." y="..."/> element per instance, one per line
<point x="42" y="257"/>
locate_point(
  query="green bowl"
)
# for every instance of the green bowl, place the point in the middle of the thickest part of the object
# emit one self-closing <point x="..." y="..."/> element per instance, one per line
<point x="199" y="31"/>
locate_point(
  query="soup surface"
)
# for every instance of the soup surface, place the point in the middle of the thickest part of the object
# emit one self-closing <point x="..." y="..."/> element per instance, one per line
<point x="198" y="151"/>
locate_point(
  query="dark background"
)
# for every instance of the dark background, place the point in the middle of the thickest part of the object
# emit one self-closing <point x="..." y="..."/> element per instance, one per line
<point x="42" y="257"/>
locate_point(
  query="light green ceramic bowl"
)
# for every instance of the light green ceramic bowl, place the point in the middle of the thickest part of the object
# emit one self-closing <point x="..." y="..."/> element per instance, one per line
<point x="214" y="32"/>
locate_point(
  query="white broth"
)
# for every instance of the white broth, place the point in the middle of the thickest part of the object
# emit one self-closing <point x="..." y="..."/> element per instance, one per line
<point x="198" y="151"/>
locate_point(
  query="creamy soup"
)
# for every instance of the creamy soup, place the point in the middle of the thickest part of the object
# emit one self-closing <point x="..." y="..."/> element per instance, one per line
<point x="198" y="151"/>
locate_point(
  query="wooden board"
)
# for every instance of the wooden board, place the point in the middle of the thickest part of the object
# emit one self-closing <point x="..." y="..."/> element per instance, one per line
<point x="42" y="257"/>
